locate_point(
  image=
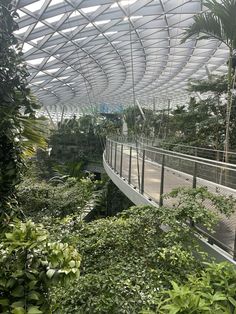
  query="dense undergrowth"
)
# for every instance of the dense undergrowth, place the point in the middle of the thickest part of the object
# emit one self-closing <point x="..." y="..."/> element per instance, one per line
<point x="128" y="263"/>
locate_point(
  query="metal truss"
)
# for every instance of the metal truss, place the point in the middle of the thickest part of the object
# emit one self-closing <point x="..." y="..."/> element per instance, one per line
<point x="82" y="53"/>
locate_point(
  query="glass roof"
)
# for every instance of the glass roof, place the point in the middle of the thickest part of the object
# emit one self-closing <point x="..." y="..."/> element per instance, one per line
<point x="82" y="53"/>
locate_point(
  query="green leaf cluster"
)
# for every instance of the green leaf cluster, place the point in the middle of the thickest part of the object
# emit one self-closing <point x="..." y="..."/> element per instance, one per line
<point x="129" y="258"/>
<point x="29" y="265"/>
<point x="41" y="197"/>
<point x="211" y="291"/>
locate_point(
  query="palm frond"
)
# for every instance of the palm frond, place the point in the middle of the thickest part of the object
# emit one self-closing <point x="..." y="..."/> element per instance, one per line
<point x="226" y="13"/>
<point x="34" y="134"/>
<point x="207" y="25"/>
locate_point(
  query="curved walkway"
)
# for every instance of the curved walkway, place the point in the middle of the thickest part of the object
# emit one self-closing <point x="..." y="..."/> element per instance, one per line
<point x="154" y="173"/>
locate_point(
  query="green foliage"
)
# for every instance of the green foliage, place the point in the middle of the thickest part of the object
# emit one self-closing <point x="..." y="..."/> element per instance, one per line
<point x="211" y="291"/>
<point x="72" y="169"/>
<point x="201" y="122"/>
<point x="29" y="265"/>
<point x="129" y="258"/>
<point x="216" y="23"/>
<point x="34" y="134"/>
<point x="216" y="84"/>
<point x="152" y="125"/>
<point x="109" y="200"/>
<point x="29" y="262"/>
<point x="16" y="101"/>
<point x="191" y="204"/>
<point x="48" y="199"/>
<point x="82" y="139"/>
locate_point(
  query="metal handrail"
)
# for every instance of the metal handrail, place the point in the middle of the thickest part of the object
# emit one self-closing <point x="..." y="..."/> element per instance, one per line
<point x="125" y="155"/>
<point x="189" y="146"/>
<point x="200" y="160"/>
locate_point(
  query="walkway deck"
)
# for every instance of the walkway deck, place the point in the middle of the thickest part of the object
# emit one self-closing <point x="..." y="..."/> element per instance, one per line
<point x="130" y="165"/>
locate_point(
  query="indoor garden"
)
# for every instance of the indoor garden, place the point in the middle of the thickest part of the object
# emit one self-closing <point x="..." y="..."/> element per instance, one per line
<point x="72" y="240"/>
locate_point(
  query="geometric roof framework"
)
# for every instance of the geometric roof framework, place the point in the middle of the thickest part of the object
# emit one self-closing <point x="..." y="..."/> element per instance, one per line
<point x="90" y="51"/>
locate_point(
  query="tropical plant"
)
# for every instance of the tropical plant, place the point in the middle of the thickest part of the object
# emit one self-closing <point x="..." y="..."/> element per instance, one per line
<point x="128" y="259"/>
<point x="29" y="262"/>
<point x="211" y="291"/>
<point x="55" y="200"/>
<point x="16" y="103"/>
<point x="34" y="134"/>
<point x="29" y="265"/>
<point x="218" y="23"/>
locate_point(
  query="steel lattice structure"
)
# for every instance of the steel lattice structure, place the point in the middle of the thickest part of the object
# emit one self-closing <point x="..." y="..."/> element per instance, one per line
<point x="86" y="52"/>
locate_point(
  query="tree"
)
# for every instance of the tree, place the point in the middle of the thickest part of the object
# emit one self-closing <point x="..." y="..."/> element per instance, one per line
<point x="219" y="23"/>
<point x="15" y="99"/>
<point x="29" y="261"/>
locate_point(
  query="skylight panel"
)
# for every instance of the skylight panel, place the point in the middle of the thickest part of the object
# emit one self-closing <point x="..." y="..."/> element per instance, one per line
<point x="102" y="22"/>
<point x="54" y="34"/>
<point x="21" y="13"/>
<point x="37" y="40"/>
<point x="35" y="61"/>
<point x="110" y="33"/>
<point x="37" y="5"/>
<point x="38" y="82"/>
<point x="75" y="14"/>
<point x="39" y="24"/>
<point x="26" y="47"/>
<point x="51" y="59"/>
<point x="90" y="9"/>
<point x="63" y="77"/>
<point x="71" y="29"/>
<point x="79" y="39"/>
<point x="54" y="18"/>
<point x="21" y="31"/>
<point x="54" y="2"/>
<point x="114" y="5"/>
<point x="133" y="17"/>
<point x="52" y="70"/>
<point x="40" y="73"/>
<point x="124" y="3"/>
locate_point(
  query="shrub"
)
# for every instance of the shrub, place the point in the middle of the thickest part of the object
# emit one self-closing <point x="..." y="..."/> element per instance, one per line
<point x="211" y="291"/>
<point x="29" y="265"/>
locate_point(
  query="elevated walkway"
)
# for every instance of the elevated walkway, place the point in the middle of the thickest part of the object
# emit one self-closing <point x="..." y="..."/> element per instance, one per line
<point x="144" y="173"/>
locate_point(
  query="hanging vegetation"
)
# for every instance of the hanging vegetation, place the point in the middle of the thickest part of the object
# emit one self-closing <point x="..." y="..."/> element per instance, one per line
<point x="29" y="262"/>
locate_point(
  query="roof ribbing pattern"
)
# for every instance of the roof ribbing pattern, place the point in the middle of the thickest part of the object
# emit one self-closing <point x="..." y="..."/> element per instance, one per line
<point x="83" y="52"/>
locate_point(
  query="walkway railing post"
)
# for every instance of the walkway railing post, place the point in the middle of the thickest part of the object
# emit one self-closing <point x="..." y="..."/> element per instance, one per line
<point x="108" y="151"/>
<point x="194" y="176"/>
<point x="111" y="152"/>
<point x="142" y="173"/>
<point x="162" y="180"/>
<point x="194" y="185"/>
<point x="234" y="253"/>
<point x="115" y="156"/>
<point x="130" y="164"/>
<point x="121" y="159"/>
